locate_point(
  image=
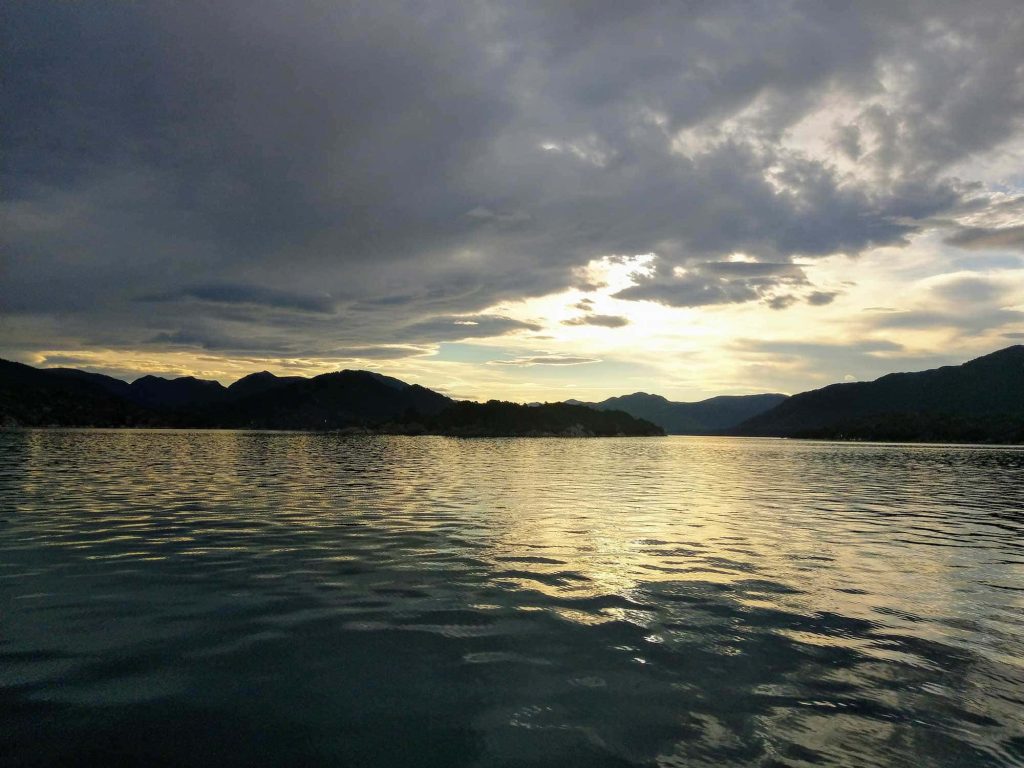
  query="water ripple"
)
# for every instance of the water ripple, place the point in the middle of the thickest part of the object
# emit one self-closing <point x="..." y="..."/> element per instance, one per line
<point x="272" y="598"/>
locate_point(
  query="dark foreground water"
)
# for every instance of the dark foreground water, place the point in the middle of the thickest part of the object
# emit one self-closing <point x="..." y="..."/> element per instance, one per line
<point x="236" y="598"/>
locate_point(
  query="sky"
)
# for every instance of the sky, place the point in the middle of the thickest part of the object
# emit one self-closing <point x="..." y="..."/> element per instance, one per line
<point x="522" y="200"/>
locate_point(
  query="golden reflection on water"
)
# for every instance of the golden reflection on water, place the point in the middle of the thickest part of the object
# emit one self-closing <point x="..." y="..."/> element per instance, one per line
<point x="563" y="518"/>
<point x="900" y="567"/>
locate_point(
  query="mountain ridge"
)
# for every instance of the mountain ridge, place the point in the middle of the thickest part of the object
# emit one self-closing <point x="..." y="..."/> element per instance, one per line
<point x="342" y="400"/>
<point x="713" y="415"/>
<point x="981" y="400"/>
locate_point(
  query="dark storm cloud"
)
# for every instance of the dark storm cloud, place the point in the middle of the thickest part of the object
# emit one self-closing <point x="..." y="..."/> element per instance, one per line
<point x="234" y="293"/>
<point x="319" y="176"/>
<point x="214" y="341"/>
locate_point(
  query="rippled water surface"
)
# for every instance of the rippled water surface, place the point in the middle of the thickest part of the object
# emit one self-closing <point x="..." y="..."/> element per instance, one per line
<point x="293" y="599"/>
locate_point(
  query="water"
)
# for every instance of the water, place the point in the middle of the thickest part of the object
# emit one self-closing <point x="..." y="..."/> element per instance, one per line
<point x="181" y="598"/>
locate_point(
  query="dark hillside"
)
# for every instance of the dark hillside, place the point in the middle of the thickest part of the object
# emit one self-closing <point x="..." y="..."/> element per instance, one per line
<point x="980" y="400"/>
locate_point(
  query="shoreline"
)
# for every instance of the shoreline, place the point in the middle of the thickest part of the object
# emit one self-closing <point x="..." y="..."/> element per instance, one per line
<point x="363" y="432"/>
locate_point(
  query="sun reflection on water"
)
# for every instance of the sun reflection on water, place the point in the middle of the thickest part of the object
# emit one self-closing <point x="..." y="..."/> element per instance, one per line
<point x="745" y="597"/>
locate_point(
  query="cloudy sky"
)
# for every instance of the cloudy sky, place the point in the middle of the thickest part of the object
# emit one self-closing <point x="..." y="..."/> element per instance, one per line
<point x="531" y="201"/>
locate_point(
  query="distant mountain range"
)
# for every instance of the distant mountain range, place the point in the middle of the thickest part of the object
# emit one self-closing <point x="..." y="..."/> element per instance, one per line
<point x="979" y="401"/>
<point x="347" y="400"/>
<point x="706" y="417"/>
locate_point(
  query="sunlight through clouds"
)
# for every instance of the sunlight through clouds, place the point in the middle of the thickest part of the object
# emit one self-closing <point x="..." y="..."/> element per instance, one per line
<point x="648" y="186"/>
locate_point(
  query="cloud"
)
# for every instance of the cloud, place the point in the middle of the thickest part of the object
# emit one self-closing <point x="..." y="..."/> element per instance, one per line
<point x="235" y="293"/>
<point x="483" y="213"/>
<point x="750" y="269"/>
<point x="980" y="239"/>
<point x="349" y="175"/>
<point x="65" y="361"/>
<point x="376" y="353"/>
<point x="971" y="290"/>
<point x="968" y="304"/>
<point x="215" y="341"/>
<point x="821" y="298"/>
<point x="803" y="348"/>
<point x="710" y="283"/>
<point x="781" y="302"/>
<point x="546" y="360"/>
<point x="820" y="363"/>
<point x="964" y="321"/>
<point x="212" y="340"/>
<point x="604" y="321"/>
<point x="455" y="328"/>
<point x="691" y="292"/>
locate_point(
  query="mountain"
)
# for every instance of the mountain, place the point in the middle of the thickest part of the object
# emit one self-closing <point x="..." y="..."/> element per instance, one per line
<point x="360" y="400"/>
<point x="711" y="416"/>
<point x="332" y="401"/>
<point x="34" y="398"/>
<point x="161" y="394"/>
<point x="501" y="419"/>
<point x="979" y="401"/>
<point x="107" y="383"/>
<point x="176" y="394"/>
<point x="181" y="393"/>
<point x="258" y="383"/>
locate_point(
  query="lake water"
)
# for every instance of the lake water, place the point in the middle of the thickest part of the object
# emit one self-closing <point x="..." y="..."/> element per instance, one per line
<point x="179" y="598"/>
